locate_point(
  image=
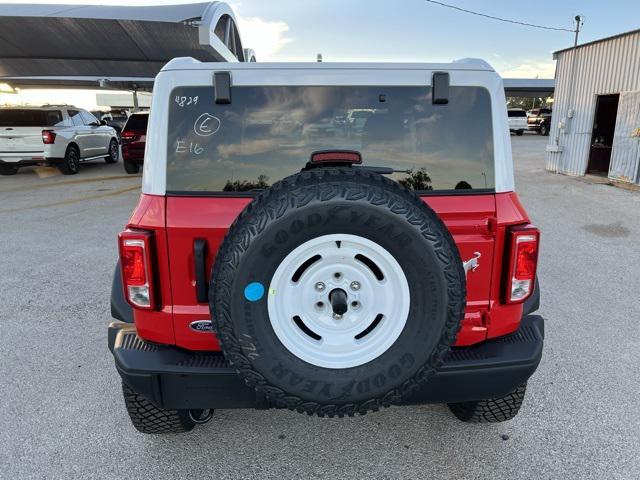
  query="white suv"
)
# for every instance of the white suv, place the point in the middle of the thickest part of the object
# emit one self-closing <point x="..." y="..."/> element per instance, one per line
<point x="62" y="136"/>
<point x="517" y="120"/>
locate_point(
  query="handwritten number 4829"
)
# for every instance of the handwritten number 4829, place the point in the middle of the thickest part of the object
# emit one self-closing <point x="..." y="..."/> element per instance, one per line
<point x="185" y="101"/>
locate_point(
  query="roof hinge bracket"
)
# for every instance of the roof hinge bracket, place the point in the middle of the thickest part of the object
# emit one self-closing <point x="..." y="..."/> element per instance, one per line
<point x="222" y="87"/>
<point x="440" y="88"/>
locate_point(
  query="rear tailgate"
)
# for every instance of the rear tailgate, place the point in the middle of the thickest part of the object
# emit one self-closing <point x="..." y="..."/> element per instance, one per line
<point x="21" y="141"/>
<point x="470" y="219"/>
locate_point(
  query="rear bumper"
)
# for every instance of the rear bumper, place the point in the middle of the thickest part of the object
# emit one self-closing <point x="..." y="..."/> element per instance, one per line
<point x="30" y="161"/>
<point x="133" y="156"/>
<point x="174" y="378"/>
<point x="133" y="152"/>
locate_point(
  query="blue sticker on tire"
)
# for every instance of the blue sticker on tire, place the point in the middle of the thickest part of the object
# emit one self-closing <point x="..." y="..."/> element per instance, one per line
<point x="254" y="291"/>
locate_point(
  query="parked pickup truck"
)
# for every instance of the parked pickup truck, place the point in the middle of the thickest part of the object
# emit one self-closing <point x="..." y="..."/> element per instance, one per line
<point x="331" y="274"/>
<point x="539" y="120"/>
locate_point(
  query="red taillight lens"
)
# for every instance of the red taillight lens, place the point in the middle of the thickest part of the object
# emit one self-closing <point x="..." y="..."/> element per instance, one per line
<point x="127" y="135"/>
<point x="135" y="262"/>
<point x="526" y="257"/>
<point x="133" y="267"/>
<point x="48" y="137"/>
<point x="523" y="262"/>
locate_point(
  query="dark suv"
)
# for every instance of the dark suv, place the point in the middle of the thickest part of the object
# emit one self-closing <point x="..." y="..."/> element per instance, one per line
<point x="134" y="137"/>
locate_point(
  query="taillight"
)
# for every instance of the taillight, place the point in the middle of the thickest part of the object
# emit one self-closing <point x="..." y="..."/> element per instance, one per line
<point x="336" y="156"/>
<point x="48" y="137"/>
<point x="522" y="264"/>
<point x="137" y="271"/>
<point x="127" y="135"/>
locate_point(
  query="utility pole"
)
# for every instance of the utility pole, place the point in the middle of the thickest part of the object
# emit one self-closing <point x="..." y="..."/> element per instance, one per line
<point x="567" y="121"/>
<point x="578" y="19"/>
<point x="574" y="59"/>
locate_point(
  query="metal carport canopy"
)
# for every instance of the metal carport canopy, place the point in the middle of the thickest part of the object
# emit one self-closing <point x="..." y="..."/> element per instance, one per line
<point x="529" y="87"/>
<point x="74" y="45"/>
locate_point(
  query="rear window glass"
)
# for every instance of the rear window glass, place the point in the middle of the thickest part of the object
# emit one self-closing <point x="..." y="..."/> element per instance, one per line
<point x="137" y="122"/>
<point x="517" y="113"/>
<point x="30" y="118"/>
<point x="268" y="133"/>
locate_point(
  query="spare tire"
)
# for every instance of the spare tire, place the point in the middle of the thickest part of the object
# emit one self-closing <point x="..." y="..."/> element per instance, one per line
<point x="337" y="291"/>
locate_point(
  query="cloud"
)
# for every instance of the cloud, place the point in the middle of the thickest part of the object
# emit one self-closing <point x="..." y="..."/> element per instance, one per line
<point x="530" y="69"/>
<point x="265" y="37"/>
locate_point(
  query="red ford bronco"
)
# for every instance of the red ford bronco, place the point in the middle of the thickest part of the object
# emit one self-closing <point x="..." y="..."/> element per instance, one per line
<point x="282" y="255"/>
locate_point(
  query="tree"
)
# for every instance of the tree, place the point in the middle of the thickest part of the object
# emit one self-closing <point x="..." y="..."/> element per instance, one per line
<point x="417" y="180"/>
<point x="527" y="103"/>
<point x="245" y="185"/>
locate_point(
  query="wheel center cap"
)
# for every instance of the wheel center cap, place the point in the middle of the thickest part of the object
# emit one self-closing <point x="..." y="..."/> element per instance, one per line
<point x="338" y="299"/>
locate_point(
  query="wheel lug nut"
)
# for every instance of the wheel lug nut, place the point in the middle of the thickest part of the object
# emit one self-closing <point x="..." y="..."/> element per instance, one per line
<point x="320" y="287"/>
<point x="337" y="316"/>
<point x="355" y="285"/>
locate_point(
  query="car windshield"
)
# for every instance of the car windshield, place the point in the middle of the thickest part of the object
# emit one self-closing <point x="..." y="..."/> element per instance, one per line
<point x="267" y="133"/>
<point x="14" y="117"/>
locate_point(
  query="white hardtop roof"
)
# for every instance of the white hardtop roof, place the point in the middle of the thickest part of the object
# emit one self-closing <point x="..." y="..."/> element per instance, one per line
<point x="466" y="64"/>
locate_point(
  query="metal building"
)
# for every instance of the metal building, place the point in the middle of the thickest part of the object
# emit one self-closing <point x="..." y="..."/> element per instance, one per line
<point x="595" y="127"/>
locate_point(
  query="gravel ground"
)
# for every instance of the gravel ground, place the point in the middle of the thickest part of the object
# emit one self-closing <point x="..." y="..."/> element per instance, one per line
<point x="62" y="413"/>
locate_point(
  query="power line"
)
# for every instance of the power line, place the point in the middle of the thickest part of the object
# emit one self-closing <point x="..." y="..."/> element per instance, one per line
<point x="498" y="18"/>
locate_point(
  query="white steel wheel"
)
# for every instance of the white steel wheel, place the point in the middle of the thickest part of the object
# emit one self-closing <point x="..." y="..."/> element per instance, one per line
<point x="338" y="301"/>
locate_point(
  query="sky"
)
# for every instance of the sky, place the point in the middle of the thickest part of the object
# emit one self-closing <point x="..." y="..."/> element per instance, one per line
<point x="415" y="30"/>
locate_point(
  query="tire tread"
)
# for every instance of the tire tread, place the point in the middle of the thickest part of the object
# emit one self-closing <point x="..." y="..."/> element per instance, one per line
<point x="148" y="418"/>
<point x="493" y="410"/>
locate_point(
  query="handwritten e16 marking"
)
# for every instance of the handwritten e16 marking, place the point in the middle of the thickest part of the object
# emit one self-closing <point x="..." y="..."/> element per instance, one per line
<point x="183" y="147"/>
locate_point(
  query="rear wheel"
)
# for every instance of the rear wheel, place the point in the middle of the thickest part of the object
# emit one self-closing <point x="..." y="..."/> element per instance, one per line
<point x="519" y="132"/>
<point x="8" y="169"/>
<point x="493" y="410"/>
<point x="544" y="130"/>
<point x="131" y="167"/>
<point x="114" y="152"/>
<point x="71" y="163"/>
<point x="147" y="418"/>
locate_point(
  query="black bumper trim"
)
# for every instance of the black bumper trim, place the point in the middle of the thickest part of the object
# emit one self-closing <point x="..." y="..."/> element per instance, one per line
<point x="52" y="161"/>
<point x="174" y="378"/>
<point x="120" y="309"/>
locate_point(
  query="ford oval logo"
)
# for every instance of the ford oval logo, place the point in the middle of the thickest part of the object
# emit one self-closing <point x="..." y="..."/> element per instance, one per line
<point x="201" y="326"/>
